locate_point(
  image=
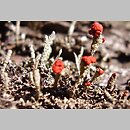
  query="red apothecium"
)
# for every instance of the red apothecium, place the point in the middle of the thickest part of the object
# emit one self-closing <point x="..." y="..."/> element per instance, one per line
<point x="88" y="59"/>
<point x="87" y="83"/>
<point x="103" y="40"/>
<point x="96" y="29"/>
<point x="100" y="71"/>
<point x="58" y="66"/>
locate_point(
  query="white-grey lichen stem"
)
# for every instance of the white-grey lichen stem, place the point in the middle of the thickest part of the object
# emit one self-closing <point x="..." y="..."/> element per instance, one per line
<point x="107" y="94"/>
<point x="87" y="72"/>
<point x="37" y="60"/>
<point x="111" y="82"/>
<point x="95" y="44"/>
<point x="71" y="28"/>
<point x="47" y="49"/>
<point x="37" y="79"/>
<point x="4" y="74"/>
<point x="78" y="59"/>
<point x="31" y="77"/>
<point x="77" y="63"/>
<point x="59" y="54"/>
<point x="32" y="53"/>
<point x="6" y="80"/>
<point x="7" y="58"/>
<point x="17" y="31"/>
<point x="34" y="75"/>
<point x="95" y="77"/>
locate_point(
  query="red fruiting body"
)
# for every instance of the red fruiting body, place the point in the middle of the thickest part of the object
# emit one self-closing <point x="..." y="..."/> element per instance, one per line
<point x="88" y="83"/>
<point x="93" y="59"/>
<point x="58" y="66"/>
<point x="100" y="71"/>
<point x="103" y="40"/>
<point x="96" y="29"/>
<point x="88" y="59"/>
